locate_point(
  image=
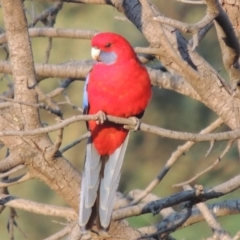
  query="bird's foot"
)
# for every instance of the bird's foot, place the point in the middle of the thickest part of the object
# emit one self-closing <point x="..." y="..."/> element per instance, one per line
<point x="101" y="117"/>
<point x="136" y="124"/>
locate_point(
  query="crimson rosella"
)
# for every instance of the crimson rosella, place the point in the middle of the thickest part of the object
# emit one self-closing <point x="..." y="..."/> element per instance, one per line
<point x="118" y="85"/>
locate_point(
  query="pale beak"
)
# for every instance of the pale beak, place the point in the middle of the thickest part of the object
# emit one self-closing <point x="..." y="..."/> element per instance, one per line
<point x="95" y="52"/>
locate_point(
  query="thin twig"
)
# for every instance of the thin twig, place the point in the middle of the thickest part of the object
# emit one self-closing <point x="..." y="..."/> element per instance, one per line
<point x="208" y="168"/>
<point x="70" y="102"/>
<point x="13" y="223"/>
<point x="52" y="151"/>
<point x="48" y="50"/>
<point x="174" y="157"/>
<point x="185" y="27"/>
<point x="198" y="174"/>
<point x="13" y="170"/>
<point x="149" y="198"/>
<point x="62" y="87"/>
<point x="36" y="105"/>
<point x="75" y="142"/>
<point x="210" y="148"/>
<point x="51" y="104"/>
<point x="53" y="10"/>
<point x="63" y="232"/>
<point x="173" y="226"/>
<point x="201" y="2"/>
<point x="16" y="180"/>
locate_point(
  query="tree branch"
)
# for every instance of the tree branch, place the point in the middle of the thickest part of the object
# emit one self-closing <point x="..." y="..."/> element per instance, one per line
<point x="218" y="232"/>
<point x="38" y="208"/>
<point x="220" y="209"/>
<point x="174" y="157"/>
<point x="189" y="195"/>
<point x="21" y="62"/>
<point x="129" y="124"/>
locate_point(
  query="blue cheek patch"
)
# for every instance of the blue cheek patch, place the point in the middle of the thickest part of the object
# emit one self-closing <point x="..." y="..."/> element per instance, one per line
<point x="108" y="57"/>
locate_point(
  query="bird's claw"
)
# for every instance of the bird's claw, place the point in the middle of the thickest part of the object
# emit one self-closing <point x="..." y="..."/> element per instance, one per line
<point x="101" y="117"/>
<point x="136" y="124"/>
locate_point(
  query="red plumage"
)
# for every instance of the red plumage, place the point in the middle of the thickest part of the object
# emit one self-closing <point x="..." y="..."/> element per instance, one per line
<point x="117" y="85"/>
<point x="121" y="89"/>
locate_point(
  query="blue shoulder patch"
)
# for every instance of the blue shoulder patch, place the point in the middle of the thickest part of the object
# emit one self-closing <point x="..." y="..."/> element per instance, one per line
<point x="85" y="96"/>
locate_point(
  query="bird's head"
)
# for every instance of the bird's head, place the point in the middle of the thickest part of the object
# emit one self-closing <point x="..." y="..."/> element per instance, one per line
<point x="110" y="48"/>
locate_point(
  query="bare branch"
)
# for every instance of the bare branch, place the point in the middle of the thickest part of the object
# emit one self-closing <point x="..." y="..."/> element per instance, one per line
<point x="56" y="33"/>
<point x="50" y="109"/>
<point x="189" y="28"/>
<point x="198" y="29"/>
<point x="198" y="174"/>
<point x="76" y="234"/>
<point x="172" y="82"/>
<point x="16" y="180"/>
<point x="129" y="124"/>
<point x="189" y="195"/>
<point x="21" y="60"/>
<point x="63" y="232"/>
<point x="74" y="69"/>
<point x="192" y="1"/>
<point x="209" y="79"/>
<point x="173" y="226"/>
<point x="13" y="170"/>
<point x="12" y="223"/>
<point x="174" y="157"/>
<point x="221" y="209"/>
<point x="218" y="232"/>
<point x="210" y="148"/>
<point x="77" y="141"/>
<point x="10" y="162"/>
<point x="172" y="55"/>
<point x="59" y="90"/>
<point x="48" y="13"/>
<point x="80" y="69"/>
<point x="209" y="168"/>
<point x="38" y="208"/>
<point x="228" y="41"/>
<point x="194" y="41"/>
<point x="134" y="194"/>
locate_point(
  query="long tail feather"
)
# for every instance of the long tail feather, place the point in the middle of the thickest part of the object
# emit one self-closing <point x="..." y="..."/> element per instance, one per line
<point x="89" y="186"/>
<point x="109" y="184"/>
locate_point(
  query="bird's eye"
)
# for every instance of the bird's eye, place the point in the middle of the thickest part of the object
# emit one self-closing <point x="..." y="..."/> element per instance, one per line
<point x="108" y="45"/>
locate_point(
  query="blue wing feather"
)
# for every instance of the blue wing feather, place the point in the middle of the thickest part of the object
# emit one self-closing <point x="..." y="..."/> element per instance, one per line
<point x="85" y="95"/>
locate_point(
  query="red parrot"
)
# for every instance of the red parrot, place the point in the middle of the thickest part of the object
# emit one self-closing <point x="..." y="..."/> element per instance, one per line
<point x="117" y="85"/>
